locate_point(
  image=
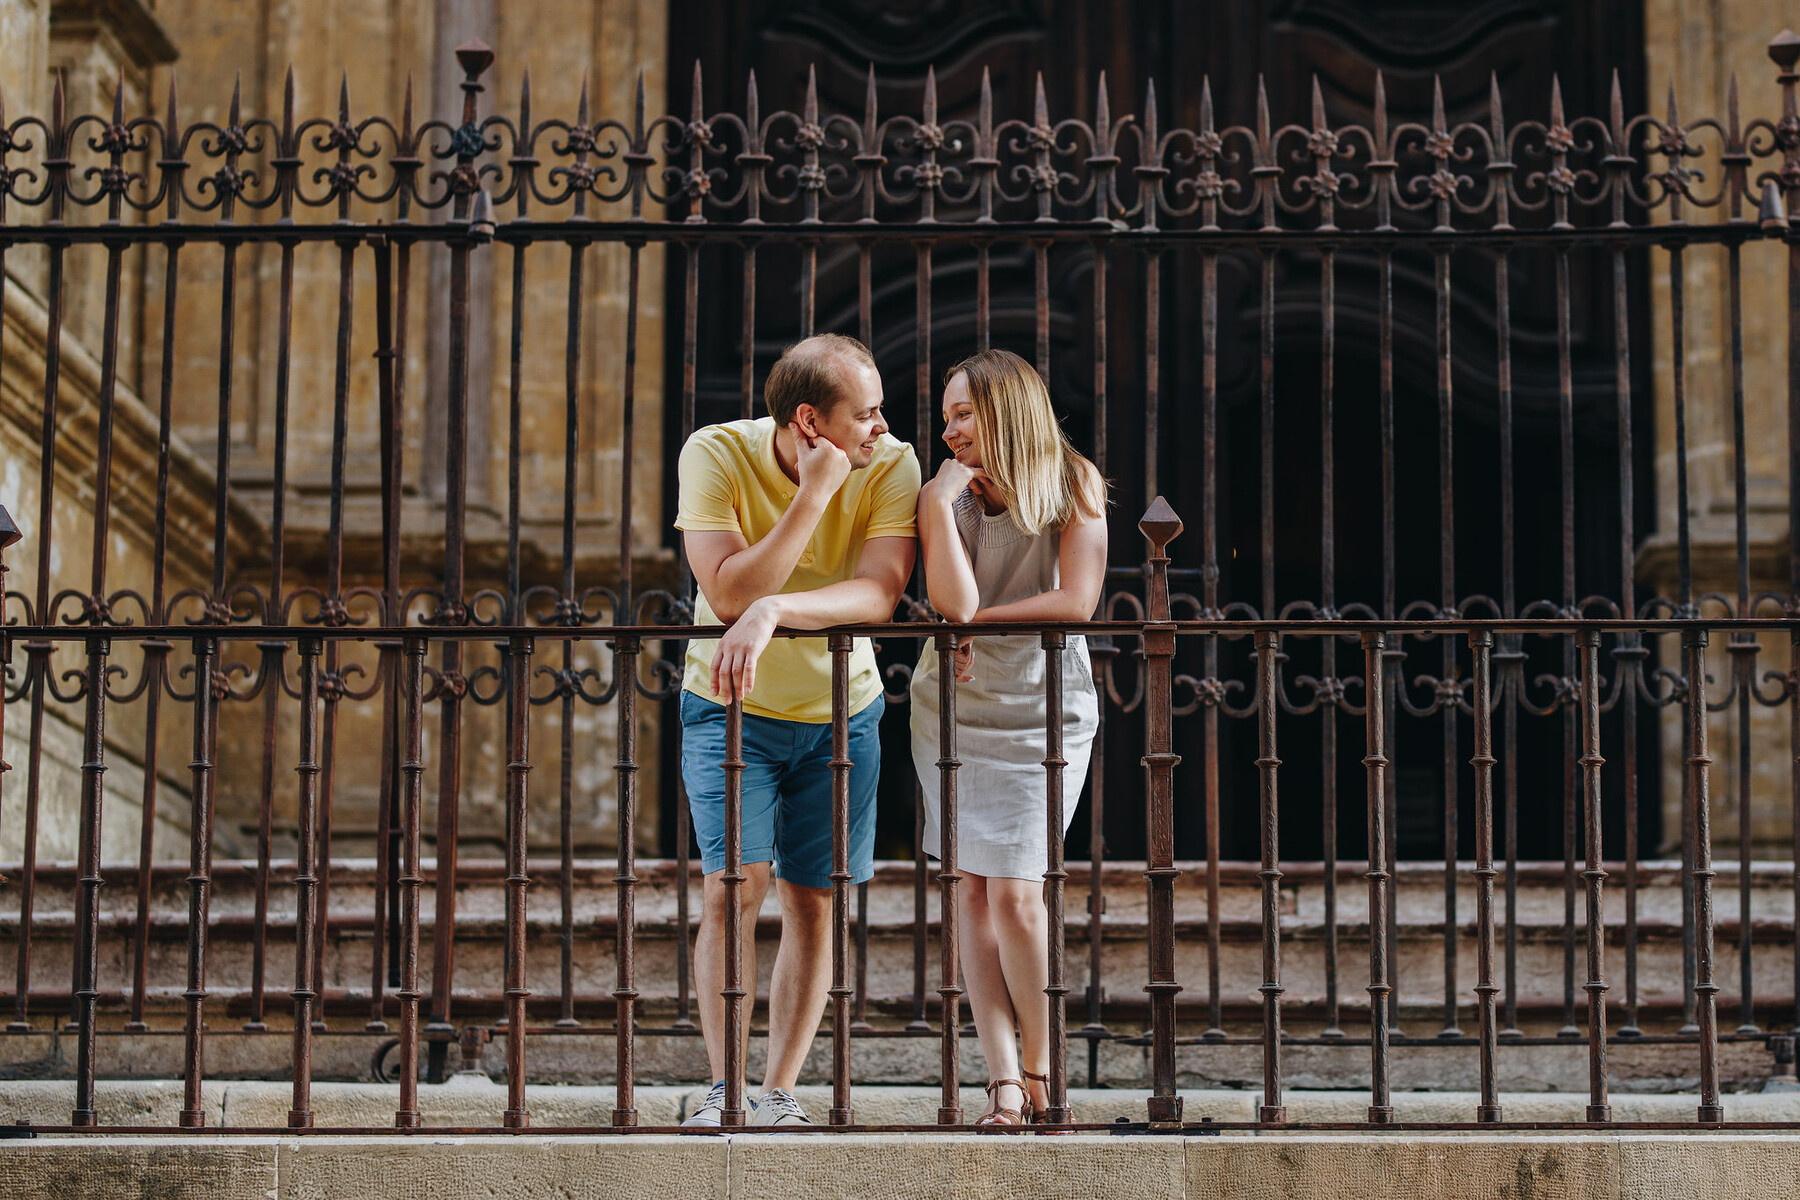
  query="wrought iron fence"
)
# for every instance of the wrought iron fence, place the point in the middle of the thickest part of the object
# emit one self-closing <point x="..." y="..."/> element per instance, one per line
<point x="849" y="185"/>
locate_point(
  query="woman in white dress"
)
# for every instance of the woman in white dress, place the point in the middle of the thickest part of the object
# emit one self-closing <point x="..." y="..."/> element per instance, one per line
<point x="1012" y="528"/>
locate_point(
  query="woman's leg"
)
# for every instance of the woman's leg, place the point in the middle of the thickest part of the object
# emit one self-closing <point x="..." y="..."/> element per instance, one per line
<point x="1015" y="908"/>
<point x="989" y="1001"/>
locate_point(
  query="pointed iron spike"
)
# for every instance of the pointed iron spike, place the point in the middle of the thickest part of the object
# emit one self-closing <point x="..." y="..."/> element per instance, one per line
<point x="525" y="101"/>
<point x="1262" y="113"/>
<point x="1102" y="109"/>
<point x="869" y="121"/>
<point x="170" y="122"/>
<point x="1318" y="103"/>
<point x="406" y="106"/>
<point x="812" y="95"/>
<point x="344" y="96"/>
<point x="287" y="99"/>
<point x="581" y="104"/>
<point x="930" y="95"/>
<point x="57" y="102"/>
<point x="1556" y="104"/>
<point x="118" y="109"/>
<point x="237" y="99"/>
<point x="1496" y="118"/>
<point x="1731" y="106"/>
<point x="1150" y="113"/>
<point x="1381" y="114"/>
<point x="1040" y="107"/>
<point x="1206" y="105"/>
<point x="753" y="110"/>
<point x="987" y="100"/>
<point x="638" y="108"/>
<point x="1674" y="112"/>
<point x="696" y="105"/>
<point x="1437" y="104"/>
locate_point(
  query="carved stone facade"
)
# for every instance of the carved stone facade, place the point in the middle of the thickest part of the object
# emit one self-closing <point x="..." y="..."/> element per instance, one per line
<point x="105" y="45"/>
<point x="205" y="50"/>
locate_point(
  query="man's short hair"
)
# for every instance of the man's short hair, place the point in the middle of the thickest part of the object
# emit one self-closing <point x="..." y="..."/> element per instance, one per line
<point x="811" y="371"/>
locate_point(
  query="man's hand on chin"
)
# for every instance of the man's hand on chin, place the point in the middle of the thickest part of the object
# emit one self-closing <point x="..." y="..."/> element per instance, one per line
<point x="734" y="660"/>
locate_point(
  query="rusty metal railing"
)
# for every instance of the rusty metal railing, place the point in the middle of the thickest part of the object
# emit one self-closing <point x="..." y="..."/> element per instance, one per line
<point x="1245" y="197"/>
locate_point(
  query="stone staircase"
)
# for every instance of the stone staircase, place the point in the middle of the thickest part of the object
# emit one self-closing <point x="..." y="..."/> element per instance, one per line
<point x="895" y="1048"/>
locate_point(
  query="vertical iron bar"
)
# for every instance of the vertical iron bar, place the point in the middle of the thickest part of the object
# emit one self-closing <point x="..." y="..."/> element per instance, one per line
<point x="1481" y="646"/>
<point x="305" y="994"/>
<point x="1328" y="710"/>
<point x="273" y="651"/>
<point x="1057" y="1111"/>
<point x="733" y="879"/>
<point x="1705" y="990"/>
<point x="1598" y="1108"/>
<point x="625" y="656"/>
<point x="1160" y="526"/>
<point x="1630" y="653"/>
<point x="1209" y="579"/>
<point x="1684" y="607"/>
<point x="1271" y="1109"/>
<point x="411" y="880"/>
<point x="1375" y="762"/>
<point x="840" y="991"/>
<point x="1570" y="719"/>
<point x="156" y="652"/>
<point x="1447" y="608"/>
<point x="39" y="652"/>
<point x="518" y="873"/>
<point x="1743" y="646"/>
<point x="87" y="967"/>
<point x="199" y="878"/>
<point x="388" y="796"/>
<point x="949" y="991"/>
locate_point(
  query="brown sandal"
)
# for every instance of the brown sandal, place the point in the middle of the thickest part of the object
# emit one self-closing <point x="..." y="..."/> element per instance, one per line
<point x="1007" y="1116"/>
<point x="1032" y="1116"/>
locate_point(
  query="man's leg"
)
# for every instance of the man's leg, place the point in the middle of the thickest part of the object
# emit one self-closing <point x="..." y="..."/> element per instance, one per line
<point x="766" y="746"/>
<point x="803" y="853"/>
<point x="797" y="990"/>
<point x="709" y="956"/>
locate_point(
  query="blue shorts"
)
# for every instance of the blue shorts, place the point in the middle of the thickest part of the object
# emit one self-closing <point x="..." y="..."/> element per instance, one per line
<point x="786" y="790"/>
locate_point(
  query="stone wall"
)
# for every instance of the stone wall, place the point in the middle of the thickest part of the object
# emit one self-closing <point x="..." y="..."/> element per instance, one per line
<point x="376" y="48"/>
<point x="1696" y="47"/>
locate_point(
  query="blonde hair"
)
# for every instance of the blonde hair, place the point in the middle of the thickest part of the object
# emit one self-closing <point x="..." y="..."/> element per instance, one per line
<point x="1044" y="481"/>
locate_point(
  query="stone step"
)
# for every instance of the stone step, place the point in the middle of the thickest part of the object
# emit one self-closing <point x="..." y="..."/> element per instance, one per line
<point x="890" y="968"/>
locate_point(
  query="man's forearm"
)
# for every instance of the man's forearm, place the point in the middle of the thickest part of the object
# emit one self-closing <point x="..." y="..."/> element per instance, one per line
<point x="850" y="602"/>
<point x="764" y="568"/>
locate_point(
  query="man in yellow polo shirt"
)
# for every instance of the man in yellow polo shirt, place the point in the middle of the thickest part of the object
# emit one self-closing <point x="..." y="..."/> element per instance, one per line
<point x="802" y="519"/>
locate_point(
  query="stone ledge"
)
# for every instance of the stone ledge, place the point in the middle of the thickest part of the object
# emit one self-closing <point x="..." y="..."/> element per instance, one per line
<point x="475" y="1102"/>
<point x="902" y="1166"/>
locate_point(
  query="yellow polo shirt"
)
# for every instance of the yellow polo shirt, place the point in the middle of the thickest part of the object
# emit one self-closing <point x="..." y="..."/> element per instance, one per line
<point x="730" y="480"/>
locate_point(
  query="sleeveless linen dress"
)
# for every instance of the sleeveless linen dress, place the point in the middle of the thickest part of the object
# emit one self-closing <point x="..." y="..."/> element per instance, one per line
<point x="1002" y="810"/>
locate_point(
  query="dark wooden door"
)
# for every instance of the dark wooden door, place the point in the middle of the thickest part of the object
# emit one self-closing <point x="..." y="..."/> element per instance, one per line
<point x="1286" y="44"/>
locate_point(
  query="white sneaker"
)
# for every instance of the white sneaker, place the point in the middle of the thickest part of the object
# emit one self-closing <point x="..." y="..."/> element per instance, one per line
<point x="779" y="1108"/>
<point x="710" y="1109"/>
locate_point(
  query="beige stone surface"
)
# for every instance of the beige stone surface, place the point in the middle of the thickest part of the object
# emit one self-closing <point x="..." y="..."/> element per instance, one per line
<point x="1444" y="1167"/>
<point x="809" y="1165"/>
<point x="955" y="1166"/>
<point x="654" y="1167"/>
<point x="1711" y="1165"/>
<point x="205" y="1168"/>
